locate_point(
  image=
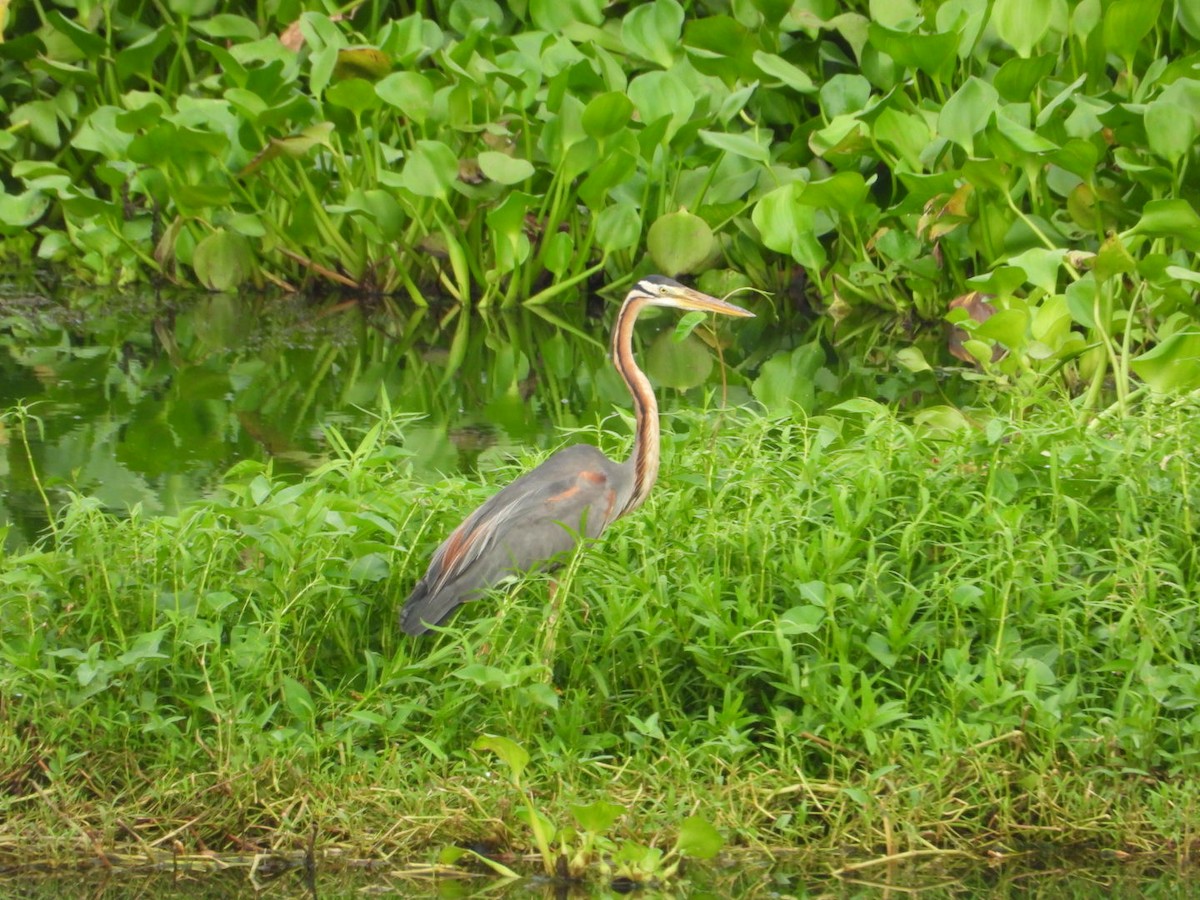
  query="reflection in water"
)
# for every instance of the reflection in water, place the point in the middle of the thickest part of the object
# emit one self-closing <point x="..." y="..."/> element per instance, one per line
<point x="1079" y="880"/>
<point x="137" y="401"/>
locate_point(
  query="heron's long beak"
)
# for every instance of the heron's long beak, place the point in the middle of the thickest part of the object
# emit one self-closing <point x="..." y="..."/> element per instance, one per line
<point x="687" y="298"/>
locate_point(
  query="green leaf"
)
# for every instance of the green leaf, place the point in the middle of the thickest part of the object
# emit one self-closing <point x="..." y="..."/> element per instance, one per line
<point x="1174" y="365"/>
<point x="787" y="226"/>
<point x="678" y="364"/>
<point x="297" y="700"/>
<point x="913" y="359"/>
<point x="967" y="112"/>
<point x="1172" y="217"/>
<point x="1170" y="131"/>
<point x="1126" y="22"/>
<point x="511" y="754"/>
<point x="845" y="192"/>
<point x="786" y="380"/>
<point x="659" y="94"/>
<point x="19" y="211"/>
<point x="409" y="92"/>
<point x="223" y="260"/>
<point x="651" y="30"/>
<point x="354" y="94"/>
<point x="430" y="169"/>
<point x="1018" y="78"/>
<point x="597" y="817"/>
<point x="805" y="619"/>
<point x="698" y="839"/>
<point x="679" y="242"/>
<point x="606" y="114"/>
<point x="1008" y="326"/>
<point x="779" y="68"/>
<point x="504" y="169"/>
<point x="618" y="227"/>
<point x="755" y="147"/>
<point x="1022" y="23"/>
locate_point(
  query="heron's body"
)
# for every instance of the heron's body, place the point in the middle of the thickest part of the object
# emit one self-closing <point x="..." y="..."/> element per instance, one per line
<point x="577" y="492"/>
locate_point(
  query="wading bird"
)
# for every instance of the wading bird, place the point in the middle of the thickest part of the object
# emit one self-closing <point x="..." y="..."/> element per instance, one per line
<point x="577" y="491"/>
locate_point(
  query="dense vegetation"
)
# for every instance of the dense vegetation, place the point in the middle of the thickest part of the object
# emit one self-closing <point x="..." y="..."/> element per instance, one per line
<point x="898" y="154"/>
<point x="843" y="632"/>
<point x="841" y="623"/>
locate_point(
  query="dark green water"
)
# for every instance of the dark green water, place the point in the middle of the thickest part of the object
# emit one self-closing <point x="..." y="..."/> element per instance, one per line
<point x="145" y="401"/>
<point x="1026" y="878"/>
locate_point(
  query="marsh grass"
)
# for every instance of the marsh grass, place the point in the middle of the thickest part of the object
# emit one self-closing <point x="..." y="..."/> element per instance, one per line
<point x="849" y="632"/>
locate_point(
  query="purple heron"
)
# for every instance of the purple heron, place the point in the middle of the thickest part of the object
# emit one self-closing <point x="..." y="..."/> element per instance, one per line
<point x="577" y="491"/>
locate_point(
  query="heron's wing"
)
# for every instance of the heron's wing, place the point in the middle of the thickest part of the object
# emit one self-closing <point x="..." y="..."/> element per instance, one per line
<point x="529" y="522"/>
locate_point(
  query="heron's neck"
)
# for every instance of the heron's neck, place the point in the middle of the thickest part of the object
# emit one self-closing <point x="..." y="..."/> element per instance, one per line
<point x="644" y="458"/>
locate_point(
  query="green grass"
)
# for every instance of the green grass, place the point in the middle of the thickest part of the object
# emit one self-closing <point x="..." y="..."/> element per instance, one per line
<point x="847" y="633"/>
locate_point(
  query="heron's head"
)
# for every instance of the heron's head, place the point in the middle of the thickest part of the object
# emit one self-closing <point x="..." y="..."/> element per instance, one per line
<point x="658" y="290"/>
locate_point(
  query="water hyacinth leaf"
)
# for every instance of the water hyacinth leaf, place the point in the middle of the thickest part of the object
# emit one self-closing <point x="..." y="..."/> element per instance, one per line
<point x="844" y="94"/>
<point x="1126" y="22"/>
<point x="678" y="364"/>
<point x="721" y="46"/>
<point x="597" y="817"/>
<point x="772" y="10"/>
<point x="780" y="69"/>
<point x="409" y="92"/>
<point x="967" y="112"/>
<point x="618" y="227"/>
<point x="786" y="380"/>
<point x="1018" y="78"/>
<point x="845" y="192"/>
<point x="511" y="754"/>
<point x="933" y="54"/>
<point x="1170" y="132"/>
<point x="787" y="226"/>
<point x="1021" y="23"/>
<point x="1174" y="365"/>
<point x="430" y="169"/>
<point x="614" y="168"/>
<point x="1041" y="266"/>
<point x="1172" y="217"/>
<point x="661" y="94"/>
<point x="504" y="169"/>
<point x="698" y="839"/>
<point x="223" y="260"/>
<point x="558" y="250"/>
<point x="607" y="114"/>
<point x="651" y="30"/>
<point x="1008" y="326"/>
<point x="88" y="42"/>
<point x="353" y="94"/>
<point x="554" y="15"/>
<point x="755" y="147"/>
<point x="227" y="26"/>
<point x="19" y="211"/>
<point x="366" y="63"/>
<point x="679" y="242"/>
<point x="912" y="359"/>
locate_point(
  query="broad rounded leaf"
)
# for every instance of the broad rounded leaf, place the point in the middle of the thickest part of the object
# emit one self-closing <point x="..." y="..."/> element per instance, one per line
<point x="504" y="169"/>
<point x="223" y="260"/>
<point x="429" y="170"/>
<point x="1174" y="365"/>
<point x="678" y="364"/>
<point x="786" y="226"/>
<point x="778" y="67"/>
<point x="512" y="754"/>
<point x="597" y="817"/>
<point x="698" y="839"/>
<point x="606" y="114"/>
<point x="679" y="242"/>
<point x="651" y="30"/>
<point x="967" y="112"/>
<point x="1021" y="23"/>
<point x="409" y="92"/>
